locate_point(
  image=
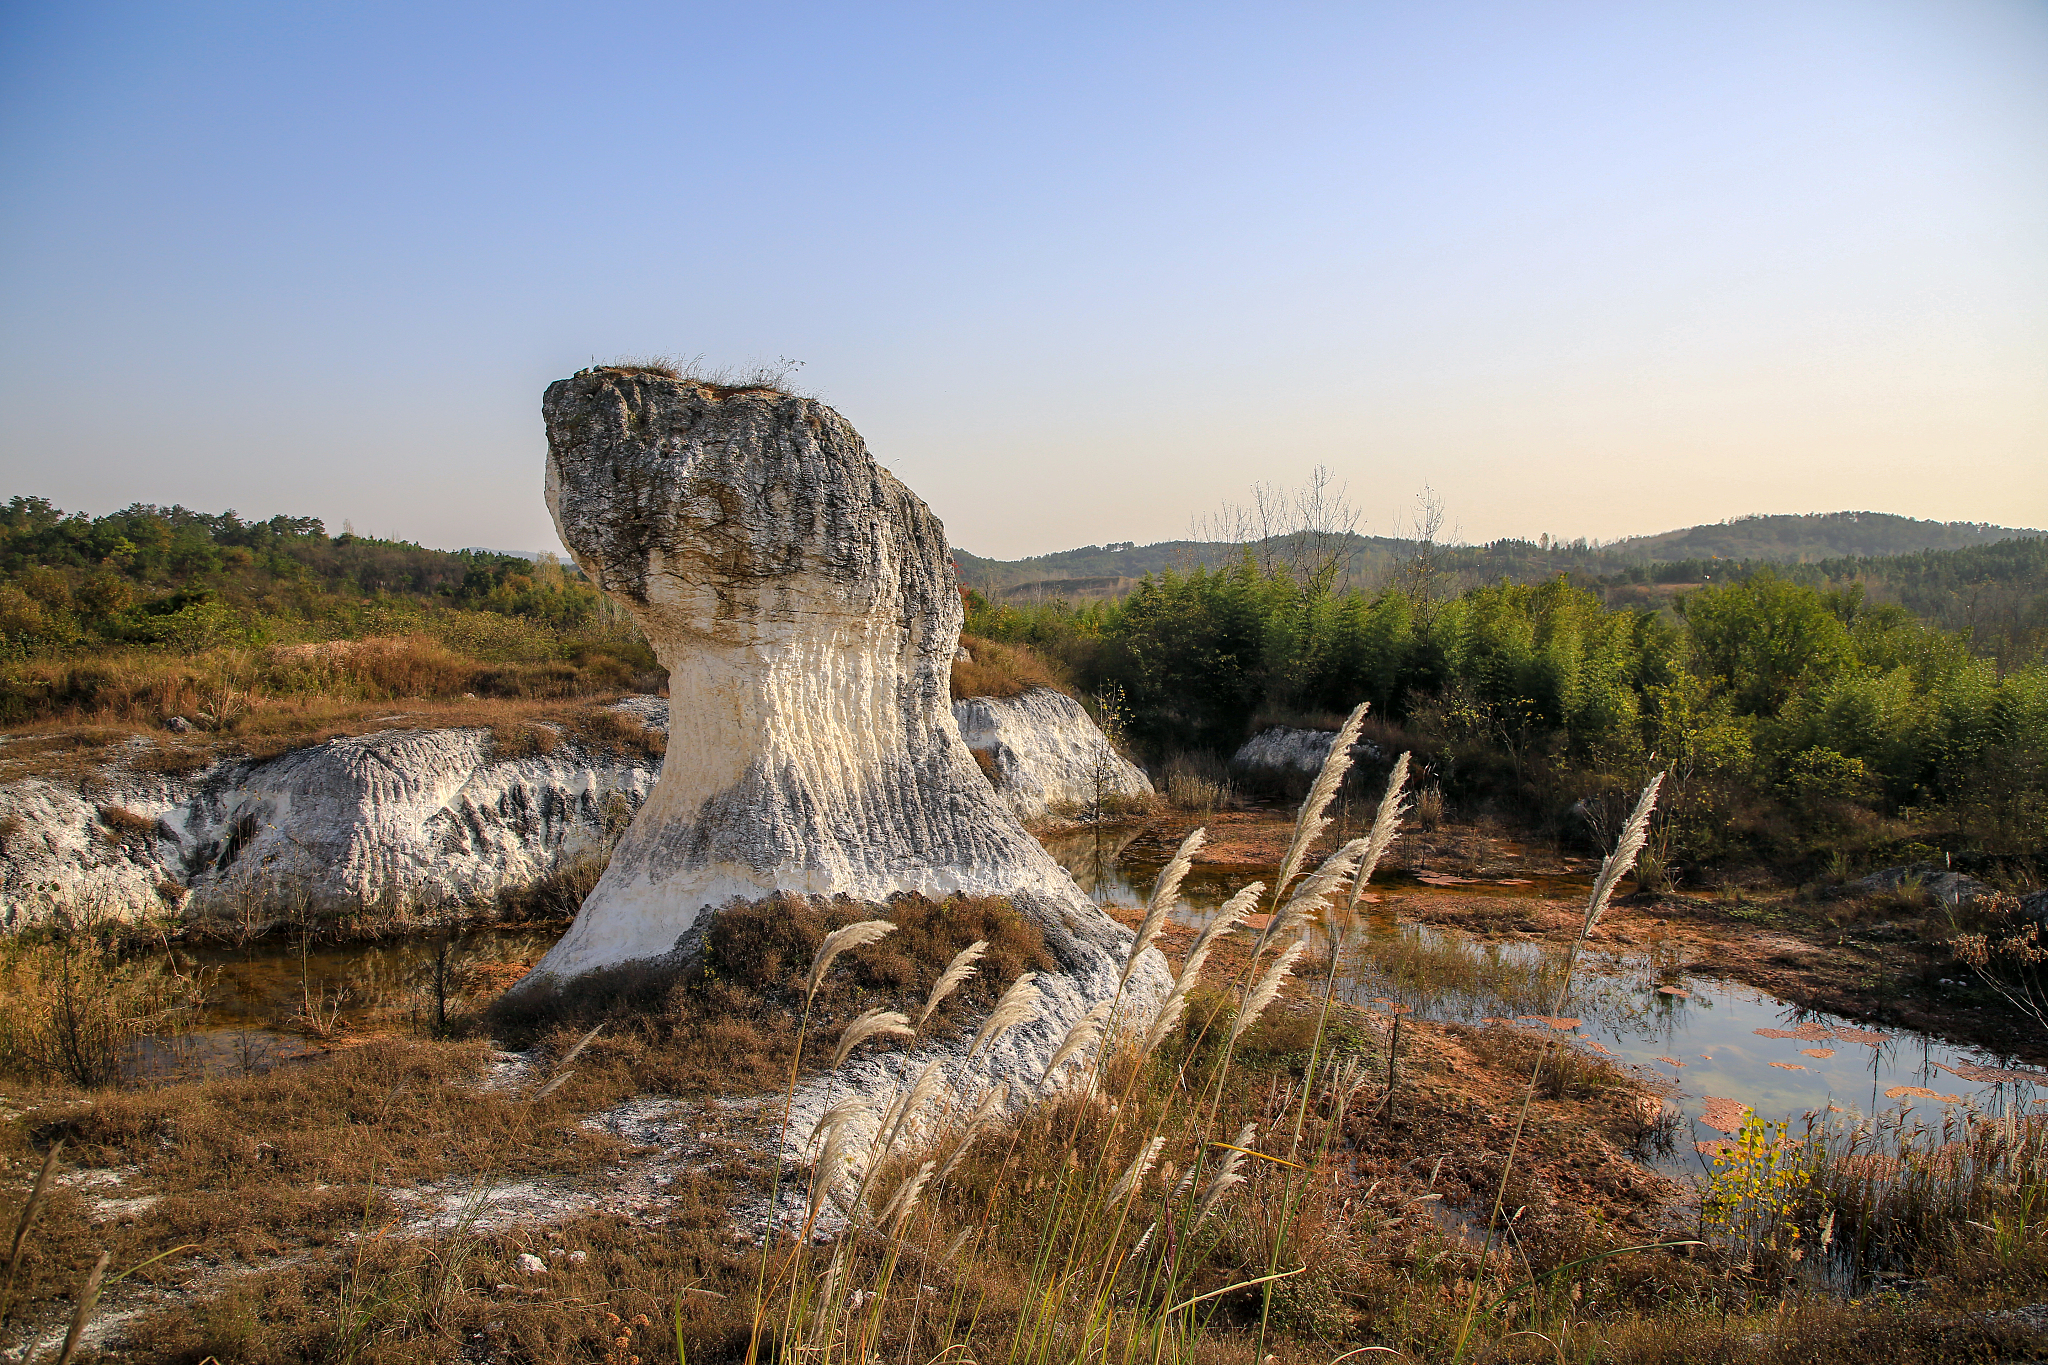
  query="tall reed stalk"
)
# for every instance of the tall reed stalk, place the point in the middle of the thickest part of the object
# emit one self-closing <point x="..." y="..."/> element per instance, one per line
<point x="1124" y="1223"/>
<point x="1612" y="869"/>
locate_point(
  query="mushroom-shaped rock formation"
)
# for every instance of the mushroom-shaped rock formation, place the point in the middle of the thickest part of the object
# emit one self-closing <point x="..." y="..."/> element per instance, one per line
<point x="803" y="601"/>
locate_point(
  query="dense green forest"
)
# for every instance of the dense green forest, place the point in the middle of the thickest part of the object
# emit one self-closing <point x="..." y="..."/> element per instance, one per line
<point x="1800" y="722"/>
<point x="150" y="607"/>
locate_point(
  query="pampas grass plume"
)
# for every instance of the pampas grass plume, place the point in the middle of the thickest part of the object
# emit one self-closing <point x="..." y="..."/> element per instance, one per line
<point x="1165" y="890"/>
<point x="837" y="942"/>
<point x="1616" y="865"/>
<point x="1226" y="1175"/>
<point x="1018" y="1005"/>
<point x="1315" y="889"/>
<point x="1084" y="1034"/>
<point x="873" y="1024"/>
<point x="957" y="971"/>
<point x="1127" y="1183"/>
<point x="1268" y="989"/>
<point x="1310" y="822"/>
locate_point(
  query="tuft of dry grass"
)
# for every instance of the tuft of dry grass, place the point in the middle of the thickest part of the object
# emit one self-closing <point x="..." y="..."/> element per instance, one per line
<point x="727" y="1022"/>
<point x="1198" y="782"/>
<point x="725" y="381"/>
<point x="73" y="1005"/>
<point x="615" y="732"/>
<point x="125" y="822"/>
<point x="1003" y="670"/>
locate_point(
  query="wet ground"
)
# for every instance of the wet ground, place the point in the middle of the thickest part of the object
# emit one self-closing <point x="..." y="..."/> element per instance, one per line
<point x="1645" y="992"/>
<point x="1638" y="996"/>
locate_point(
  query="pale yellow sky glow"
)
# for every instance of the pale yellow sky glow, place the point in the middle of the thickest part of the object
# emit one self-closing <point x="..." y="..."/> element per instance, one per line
<point x="1078" y="275"/>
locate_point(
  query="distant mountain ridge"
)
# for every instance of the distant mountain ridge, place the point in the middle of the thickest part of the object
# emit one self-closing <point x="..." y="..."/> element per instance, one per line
<point x="1773" y="538"/>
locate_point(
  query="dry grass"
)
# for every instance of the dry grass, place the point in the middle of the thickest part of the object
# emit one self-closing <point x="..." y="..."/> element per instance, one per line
<point x="53" y="750"/>
<point x="72" y="1006"/>
<point x="224" y="692"/>
<point x="1003" y="670"/>
<point x="724" y="381"/>
<point x="1197" y="782"/>
<point x="727" y="1024"/>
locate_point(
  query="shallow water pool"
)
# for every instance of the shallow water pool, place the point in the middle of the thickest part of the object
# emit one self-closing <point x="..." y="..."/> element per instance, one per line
<point x="1702" y="1037"/>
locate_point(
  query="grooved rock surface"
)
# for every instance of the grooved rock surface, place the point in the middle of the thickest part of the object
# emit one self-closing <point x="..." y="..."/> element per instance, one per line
<point x="1281" y="749"/>
<point x="1944" y="884"/>
<point x="804" y="603"/>
<point x="1047" y="752"/>
<point x="400" y="818"/>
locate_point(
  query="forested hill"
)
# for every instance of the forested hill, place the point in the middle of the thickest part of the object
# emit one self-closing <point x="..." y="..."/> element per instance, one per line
<point x="170" y="575"/>
<point x="1819" y="535"/>
<point x="1756" y="539"/>
<point x="1992" y="587"/>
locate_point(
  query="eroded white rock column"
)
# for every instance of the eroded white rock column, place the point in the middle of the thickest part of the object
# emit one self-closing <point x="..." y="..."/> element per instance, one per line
<point x="803" y="602"/>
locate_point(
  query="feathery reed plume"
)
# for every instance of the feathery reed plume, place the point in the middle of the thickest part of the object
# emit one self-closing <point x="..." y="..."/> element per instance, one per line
<point x="1227" y="918"/>
<point x="1168" y="1018"/>
<point x="1127" y="1183"/>
<point x="1310" y="822"/>
<point x="897" y="1211"/>
<point x="1268" y="989"/>
<point x="1018" y="1005"/>
<point x="1308" y="898"/>
<point x="873" y="1024"/>
<point x="1175" y="1005"/>
<point x="562" y="1071"/>
<point x="38" y="1195"/>
<point x="1612" y="868"/>
<point x="1617" y="864"/>
<point x="838" y="941"/>
<point x="1165" y="890"/>
<point x="1087" y="1030"/>
<point x="844" y="1111"/>
<point x="928" y="1084"/>
<point x="952" y="1251"/>
<point x="958" y="970"/>
<point x="846" y="1133"/>
<point x="88" y="1299"/>
<point x="990" y="1103"/>
<point x="1386" y="827"/>
<point x="1226" y="1177"/>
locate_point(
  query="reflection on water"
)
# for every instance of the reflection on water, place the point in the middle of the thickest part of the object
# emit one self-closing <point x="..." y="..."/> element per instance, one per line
<point x="1701" y="1035"/>
<point x="275" y="1001"/>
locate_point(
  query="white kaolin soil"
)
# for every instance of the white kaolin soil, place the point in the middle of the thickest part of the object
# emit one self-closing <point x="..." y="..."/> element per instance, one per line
<point x="1048" y="754"/>
<point x="401" y="819"/>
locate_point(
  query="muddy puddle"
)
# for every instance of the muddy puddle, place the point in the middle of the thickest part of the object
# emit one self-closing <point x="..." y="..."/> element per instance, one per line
<point x="272" y="1002"/>
<point x="1699" y="1037"/>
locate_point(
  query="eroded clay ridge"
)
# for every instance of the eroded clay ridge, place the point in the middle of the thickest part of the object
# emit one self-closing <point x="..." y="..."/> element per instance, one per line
<point x="803" y="602"/>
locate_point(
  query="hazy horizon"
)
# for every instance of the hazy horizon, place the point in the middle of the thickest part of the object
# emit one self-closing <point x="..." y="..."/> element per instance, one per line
<point x="1078" y="275"/>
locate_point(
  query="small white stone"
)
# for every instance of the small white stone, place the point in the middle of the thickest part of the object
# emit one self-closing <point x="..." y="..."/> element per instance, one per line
<point x="530" y="1264"/>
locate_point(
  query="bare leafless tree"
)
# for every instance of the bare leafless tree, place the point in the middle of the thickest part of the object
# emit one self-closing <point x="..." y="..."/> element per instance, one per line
<point x="1308" y="534"/>
<point x="1421" y="573"/>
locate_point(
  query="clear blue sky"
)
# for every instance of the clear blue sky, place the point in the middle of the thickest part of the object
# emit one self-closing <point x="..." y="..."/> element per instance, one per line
<point x="1077" y="273"/>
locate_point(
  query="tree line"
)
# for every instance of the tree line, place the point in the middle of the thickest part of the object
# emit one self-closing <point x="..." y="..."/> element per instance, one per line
<point x="1799" y="721"/>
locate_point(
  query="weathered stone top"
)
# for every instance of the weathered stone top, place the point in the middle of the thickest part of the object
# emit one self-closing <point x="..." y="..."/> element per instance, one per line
<point x="803" y="600"/>
<point x="730" y="517"/>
